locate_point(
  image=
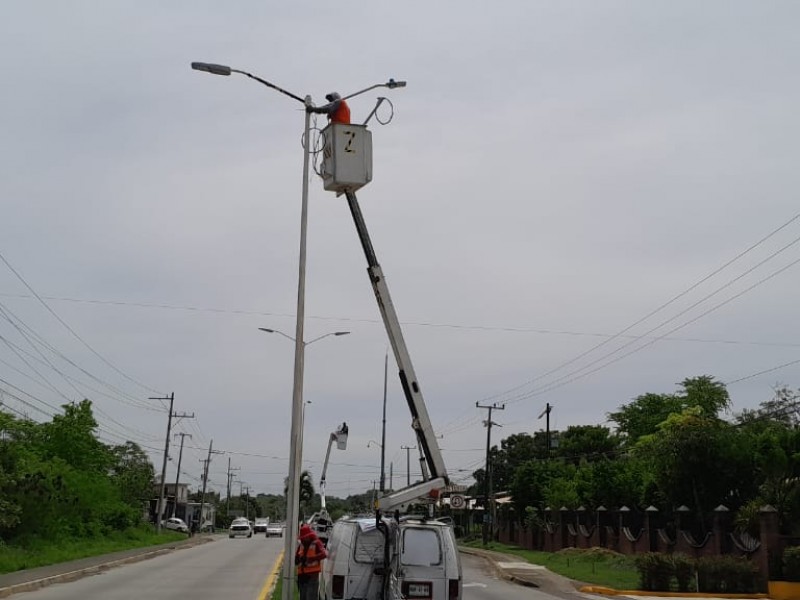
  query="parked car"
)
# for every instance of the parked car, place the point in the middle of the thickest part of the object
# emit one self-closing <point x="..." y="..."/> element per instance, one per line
<point x="429" y="563"/>
<point x="260" y="525"/>
<point x="175" y="524"/>
<point x="240" y="527"/>
<point x="275" y="530"/>
<point x="207" y="526"/>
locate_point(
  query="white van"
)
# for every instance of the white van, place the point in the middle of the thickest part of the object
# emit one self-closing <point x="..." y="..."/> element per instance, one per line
<point x="429" y="565"/>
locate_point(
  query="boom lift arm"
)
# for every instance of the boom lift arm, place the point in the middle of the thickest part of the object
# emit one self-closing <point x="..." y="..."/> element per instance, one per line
<point x="421" y="423"/>
<point x="340" y="437"/>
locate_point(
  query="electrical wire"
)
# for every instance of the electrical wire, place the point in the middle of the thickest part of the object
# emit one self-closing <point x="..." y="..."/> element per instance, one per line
<point x="668" y="303"/>
<point x="33" y="335"/>
<point x="71" y="330"/>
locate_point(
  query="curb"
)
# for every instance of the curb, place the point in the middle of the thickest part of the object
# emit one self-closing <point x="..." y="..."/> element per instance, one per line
<point x="272" y="579"/>
<point x="36" y="584"/>
<point x="606" y="591"/>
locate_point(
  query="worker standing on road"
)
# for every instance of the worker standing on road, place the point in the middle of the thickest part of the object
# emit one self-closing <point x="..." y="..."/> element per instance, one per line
<point x="337" y="109"/>
<point x="308" y="559"/>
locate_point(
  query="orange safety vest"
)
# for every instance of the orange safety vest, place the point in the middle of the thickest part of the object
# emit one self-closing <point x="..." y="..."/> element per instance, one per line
<point x="309" y="557"/>
<point x="342" y="114"/>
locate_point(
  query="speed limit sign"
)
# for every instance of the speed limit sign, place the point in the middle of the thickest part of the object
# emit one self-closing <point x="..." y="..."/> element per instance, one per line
<point x="457" y="501"/>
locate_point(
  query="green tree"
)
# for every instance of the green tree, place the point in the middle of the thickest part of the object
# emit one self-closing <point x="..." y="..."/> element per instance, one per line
<point x="588" y="442"/>
<point x="132" y="473"/>
<point x="71" y="437"/>
<point x="687" y="448"/>
<point x="644" y="414"/>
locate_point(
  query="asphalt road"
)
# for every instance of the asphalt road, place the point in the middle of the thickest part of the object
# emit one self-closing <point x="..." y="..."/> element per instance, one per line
<point x="231" y="569"/>
<point x="237" y="570"/>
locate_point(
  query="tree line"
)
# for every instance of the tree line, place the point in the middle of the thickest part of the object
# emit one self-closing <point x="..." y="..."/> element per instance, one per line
<point x="57" y="480"/>
<point x="668" y="450"/>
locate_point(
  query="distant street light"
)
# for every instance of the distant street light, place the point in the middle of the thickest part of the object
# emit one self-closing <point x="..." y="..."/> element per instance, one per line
<point x="316" y="339"/>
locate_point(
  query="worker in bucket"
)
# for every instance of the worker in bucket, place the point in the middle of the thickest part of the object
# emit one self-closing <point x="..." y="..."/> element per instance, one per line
<point x="337" y="109"/>
<point x="308" y="559"/>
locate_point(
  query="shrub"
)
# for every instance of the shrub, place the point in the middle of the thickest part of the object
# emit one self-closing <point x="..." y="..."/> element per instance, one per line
<point x="791" y="563"/>
<point x="655" y="571"/>
<point x="726" y="574"/>
<point x="683" y="568"/>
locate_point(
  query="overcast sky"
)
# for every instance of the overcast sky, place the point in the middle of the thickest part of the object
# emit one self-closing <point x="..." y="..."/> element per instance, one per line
<point x="554" y="172"/>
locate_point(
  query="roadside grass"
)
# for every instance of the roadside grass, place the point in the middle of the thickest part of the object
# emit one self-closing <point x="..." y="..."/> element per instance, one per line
<point x="276" y="594"/>
<point x="38" y="552"/>
<point x="593" y="565"/>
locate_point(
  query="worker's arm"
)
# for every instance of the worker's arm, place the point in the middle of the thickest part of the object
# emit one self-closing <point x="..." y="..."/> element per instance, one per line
<point x="326" y="109"/>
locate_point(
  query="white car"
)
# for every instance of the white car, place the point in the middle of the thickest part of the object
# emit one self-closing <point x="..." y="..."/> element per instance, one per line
<point x="175" y="524"/>
<point x="275" y="529"/>
<point x="240" y="527"/>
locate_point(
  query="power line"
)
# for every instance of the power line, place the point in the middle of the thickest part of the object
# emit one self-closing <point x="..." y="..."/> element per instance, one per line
<point x="664" y="305"/>
<point x="764" y="372"/>
<point x="431" y="324"/>
<point x="71" y="330"/>
<point x="566" y="379"/>
<point x="8" y="314"/>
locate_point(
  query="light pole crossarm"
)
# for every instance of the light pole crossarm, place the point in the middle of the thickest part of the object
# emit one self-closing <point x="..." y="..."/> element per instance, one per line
<point x="391" y="84"/>
<point x="288" y="337"/>
<point x="270" y="85"/>
<point x="216" y="69"/>
<point x="336" y="333"/>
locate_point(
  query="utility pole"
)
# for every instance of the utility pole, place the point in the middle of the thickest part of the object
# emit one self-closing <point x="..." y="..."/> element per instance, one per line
<point x="178" y="471"/>
<point x="170" y="416"/>
<point x="383" y="433"/>
<point x="488" y="511"/>
<point x="231" y="475"/>
<point x="207" y="462"/>
<point x="546" y="412"/>
<point x="408" y="450"/>
<point x="391" y="475"/>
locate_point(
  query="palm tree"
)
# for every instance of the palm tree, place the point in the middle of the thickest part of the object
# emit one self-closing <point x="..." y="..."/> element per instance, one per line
<point x="307" y="491"/>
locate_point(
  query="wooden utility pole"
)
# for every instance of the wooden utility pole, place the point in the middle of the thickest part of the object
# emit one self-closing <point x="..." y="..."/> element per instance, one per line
<point x="488" y="510"/>
<point x="546" y="412"/>
<point x="178" y="471"/>
<point x="170" y="416"/>
<point x="207" y="462"/>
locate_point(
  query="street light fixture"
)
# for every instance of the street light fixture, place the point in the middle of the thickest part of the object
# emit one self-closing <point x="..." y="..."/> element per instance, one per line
<point x="296" y="451"/>
<point x="316" y="339"/>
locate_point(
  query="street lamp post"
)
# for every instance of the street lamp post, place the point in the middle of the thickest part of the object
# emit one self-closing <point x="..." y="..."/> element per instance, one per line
<point x="316" y="339"/>
<point x="295" y="451"/>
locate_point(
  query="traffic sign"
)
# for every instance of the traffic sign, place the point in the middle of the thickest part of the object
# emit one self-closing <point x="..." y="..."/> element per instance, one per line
<point x="457" y="501"/>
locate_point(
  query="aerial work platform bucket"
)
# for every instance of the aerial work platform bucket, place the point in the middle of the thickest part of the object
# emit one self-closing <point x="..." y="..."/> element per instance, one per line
<point x="346" y="157"/>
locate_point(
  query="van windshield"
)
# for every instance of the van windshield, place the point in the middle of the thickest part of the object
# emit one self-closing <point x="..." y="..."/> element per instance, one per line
<point x="421" y="547"/>
<point x="369" y="546"/>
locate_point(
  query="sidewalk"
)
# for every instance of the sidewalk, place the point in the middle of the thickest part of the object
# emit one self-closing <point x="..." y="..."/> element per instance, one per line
<point x="33" y="579"/>
<point x="516" y="570"/>
<point x="512" y="568"/>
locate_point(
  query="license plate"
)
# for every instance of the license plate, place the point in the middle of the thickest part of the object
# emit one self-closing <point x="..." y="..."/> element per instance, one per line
<point x="419" y="590"/>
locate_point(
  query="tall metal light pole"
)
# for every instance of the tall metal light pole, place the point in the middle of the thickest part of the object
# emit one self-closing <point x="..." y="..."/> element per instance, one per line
<point x="295" y="451"/>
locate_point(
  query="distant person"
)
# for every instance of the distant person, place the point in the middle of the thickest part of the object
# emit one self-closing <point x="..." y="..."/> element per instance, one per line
<point x="308" y="559"/>
<point x="337" y="109"/>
